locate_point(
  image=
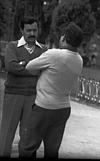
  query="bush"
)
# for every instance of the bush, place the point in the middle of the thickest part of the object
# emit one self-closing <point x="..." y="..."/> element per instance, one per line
<point x="78" y="11"/>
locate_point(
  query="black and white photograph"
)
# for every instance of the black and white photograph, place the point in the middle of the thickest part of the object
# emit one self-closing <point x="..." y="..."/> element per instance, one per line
<point x="50" y="79"/>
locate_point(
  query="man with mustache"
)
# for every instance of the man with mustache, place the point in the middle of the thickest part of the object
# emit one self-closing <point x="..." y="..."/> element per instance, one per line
<point x="20" y="86"/>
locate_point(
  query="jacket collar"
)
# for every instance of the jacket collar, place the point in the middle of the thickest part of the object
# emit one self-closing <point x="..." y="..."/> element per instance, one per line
<point x="22" y="42"/>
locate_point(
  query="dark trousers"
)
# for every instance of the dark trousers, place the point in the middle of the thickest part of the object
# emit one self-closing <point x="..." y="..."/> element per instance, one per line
<point x="16" y="108"/>
<point x="47" y="126"/>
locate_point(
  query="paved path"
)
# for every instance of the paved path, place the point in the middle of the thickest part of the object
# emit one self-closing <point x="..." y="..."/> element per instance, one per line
<point x="82" y="134"/>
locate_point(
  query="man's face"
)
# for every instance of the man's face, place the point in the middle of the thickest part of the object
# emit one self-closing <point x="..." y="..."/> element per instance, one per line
<point x="30" y="33"/>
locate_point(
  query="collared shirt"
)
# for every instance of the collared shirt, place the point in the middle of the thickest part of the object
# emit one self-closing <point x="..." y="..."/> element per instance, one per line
<point x="22" y="42"/>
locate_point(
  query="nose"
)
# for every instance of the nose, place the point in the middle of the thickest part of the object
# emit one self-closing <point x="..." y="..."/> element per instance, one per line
<point x="32" y="33"/>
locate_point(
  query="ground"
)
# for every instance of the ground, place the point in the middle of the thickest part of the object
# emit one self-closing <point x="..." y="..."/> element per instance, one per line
<point x="81" y="137"/>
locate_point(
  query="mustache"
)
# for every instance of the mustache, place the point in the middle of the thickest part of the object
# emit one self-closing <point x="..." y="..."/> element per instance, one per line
<point x="32" y="37"/>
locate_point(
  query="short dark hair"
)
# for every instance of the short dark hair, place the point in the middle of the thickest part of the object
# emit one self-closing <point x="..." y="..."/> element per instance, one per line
<point x="73" y="35"/>
<point x="27" y="20"/>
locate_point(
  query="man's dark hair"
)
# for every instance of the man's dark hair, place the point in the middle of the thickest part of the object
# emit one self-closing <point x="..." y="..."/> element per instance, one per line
<point x="27" y="20"/>
<point x="73" y="35"/>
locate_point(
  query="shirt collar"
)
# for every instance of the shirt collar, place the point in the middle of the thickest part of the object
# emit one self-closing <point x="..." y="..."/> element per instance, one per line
<point x="22" y="42"/>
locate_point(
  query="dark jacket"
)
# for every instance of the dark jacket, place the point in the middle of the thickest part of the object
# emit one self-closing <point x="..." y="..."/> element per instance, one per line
<point x="19" y="80"/>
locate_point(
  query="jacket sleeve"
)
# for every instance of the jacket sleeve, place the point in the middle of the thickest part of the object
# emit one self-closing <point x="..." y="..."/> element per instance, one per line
<point x="11" y="62"/>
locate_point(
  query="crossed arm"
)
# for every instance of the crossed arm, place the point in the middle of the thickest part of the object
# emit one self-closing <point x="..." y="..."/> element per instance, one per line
<point x="40" y="63"/>
<point x="13" y="66"/>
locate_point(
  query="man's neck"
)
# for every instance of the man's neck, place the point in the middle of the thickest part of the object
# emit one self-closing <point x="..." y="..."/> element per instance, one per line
<point x="69" y="47"/>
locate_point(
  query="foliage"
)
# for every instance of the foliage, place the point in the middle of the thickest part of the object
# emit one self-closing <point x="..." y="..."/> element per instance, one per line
<point x="18" y="15"/>
<point x="6" y="15"/>
<point x="78" y="11"/>
<point x="2" y="20"/>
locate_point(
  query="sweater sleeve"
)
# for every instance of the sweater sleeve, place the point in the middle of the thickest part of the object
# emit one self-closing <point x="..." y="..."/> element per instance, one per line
<point x="11" y="63"/>
<point x="40" y="63"/>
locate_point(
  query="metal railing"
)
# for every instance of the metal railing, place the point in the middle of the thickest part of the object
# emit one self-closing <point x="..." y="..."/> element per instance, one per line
<point x="88" y="90"/>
